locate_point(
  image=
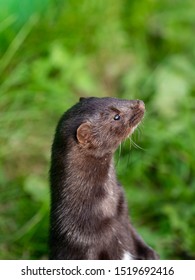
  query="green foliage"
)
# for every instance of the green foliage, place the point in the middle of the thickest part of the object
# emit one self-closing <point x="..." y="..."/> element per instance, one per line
<point x="52" y="54"/>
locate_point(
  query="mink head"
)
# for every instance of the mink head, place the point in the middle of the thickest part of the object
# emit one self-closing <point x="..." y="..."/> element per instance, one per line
<point x="99" y="125"/>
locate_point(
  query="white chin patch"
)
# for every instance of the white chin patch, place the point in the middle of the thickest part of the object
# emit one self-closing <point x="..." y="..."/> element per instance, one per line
<point x="134" y="128"/>
<point x="127" y="256"/>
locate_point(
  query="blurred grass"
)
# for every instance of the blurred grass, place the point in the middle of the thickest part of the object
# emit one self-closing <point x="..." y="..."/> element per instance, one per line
<point x="55" y="53"/>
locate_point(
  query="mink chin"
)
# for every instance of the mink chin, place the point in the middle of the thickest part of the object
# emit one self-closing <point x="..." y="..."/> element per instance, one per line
<point x="89" y="214"/>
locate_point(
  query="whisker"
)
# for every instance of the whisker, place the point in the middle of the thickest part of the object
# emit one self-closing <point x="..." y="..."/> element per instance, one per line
<point x="120" y="149"/>
<point x="129" y="137"/>
<point x="136" y="145"/>
<point x="119" y="153"/>
<point x="129" y="154"/>
<point x="139" y="132"/>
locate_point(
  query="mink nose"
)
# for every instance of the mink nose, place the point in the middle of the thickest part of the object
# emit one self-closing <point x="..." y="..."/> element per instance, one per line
<point x="141" y="104"/>
<point x="137" y="104"/>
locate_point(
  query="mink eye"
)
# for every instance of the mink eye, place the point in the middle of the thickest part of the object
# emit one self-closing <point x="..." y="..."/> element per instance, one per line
<point x="117" y="117"/>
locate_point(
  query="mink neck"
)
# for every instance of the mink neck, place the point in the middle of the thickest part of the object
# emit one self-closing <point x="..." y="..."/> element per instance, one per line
<point x="92" y="168"/>
<point x="76" y="172"/>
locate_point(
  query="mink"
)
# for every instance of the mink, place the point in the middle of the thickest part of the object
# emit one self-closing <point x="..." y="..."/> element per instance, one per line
<point x="89" y="214"/>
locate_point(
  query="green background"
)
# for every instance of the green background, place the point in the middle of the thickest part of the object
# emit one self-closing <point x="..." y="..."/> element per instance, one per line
<point x="53" y="52"/>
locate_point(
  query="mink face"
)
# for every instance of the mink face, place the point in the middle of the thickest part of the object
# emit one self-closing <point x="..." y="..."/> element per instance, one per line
<point x="101" y="124"/>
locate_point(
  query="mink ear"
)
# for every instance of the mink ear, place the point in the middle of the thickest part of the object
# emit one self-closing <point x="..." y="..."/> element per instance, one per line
<point x="84" y="133"/>
<point x="81" y="98"/>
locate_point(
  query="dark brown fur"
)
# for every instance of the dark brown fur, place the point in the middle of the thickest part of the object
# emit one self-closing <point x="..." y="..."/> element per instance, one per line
<point x="89" y="214"/>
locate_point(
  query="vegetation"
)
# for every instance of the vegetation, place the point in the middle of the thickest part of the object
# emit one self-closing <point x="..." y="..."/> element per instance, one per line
<point x="53" y="52"/>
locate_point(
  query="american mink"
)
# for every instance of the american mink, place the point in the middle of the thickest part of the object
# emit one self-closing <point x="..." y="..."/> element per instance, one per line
<point x="89" y="214"/>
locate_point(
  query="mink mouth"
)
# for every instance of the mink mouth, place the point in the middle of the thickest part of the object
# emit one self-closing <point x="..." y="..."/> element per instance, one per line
<point x="136" y="118"/>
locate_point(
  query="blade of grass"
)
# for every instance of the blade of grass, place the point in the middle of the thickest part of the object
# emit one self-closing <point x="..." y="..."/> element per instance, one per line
<point x="17" y="42"/>
<point x="7" y="22"/>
